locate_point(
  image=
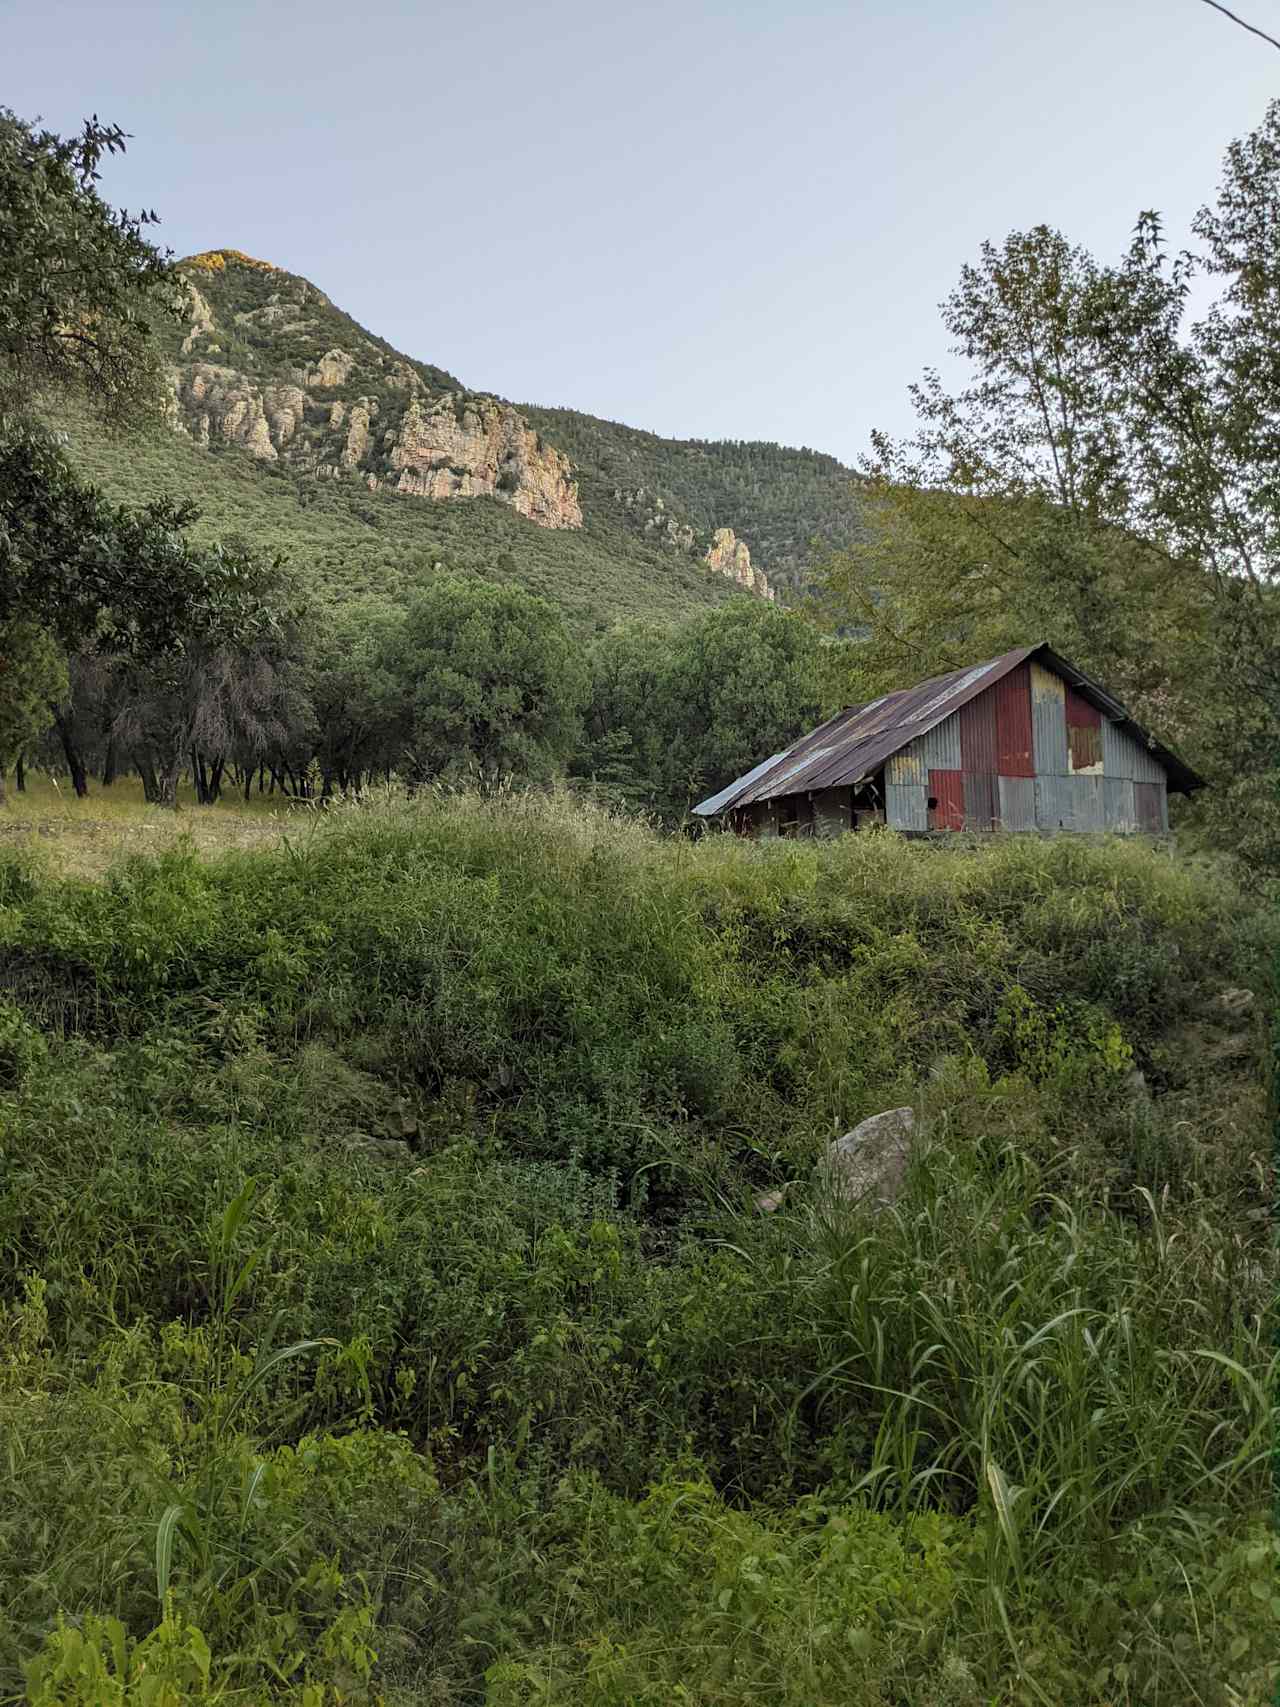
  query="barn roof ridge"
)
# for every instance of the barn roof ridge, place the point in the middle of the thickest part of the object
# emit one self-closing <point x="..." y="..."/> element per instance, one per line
<point x="856" y="741"/>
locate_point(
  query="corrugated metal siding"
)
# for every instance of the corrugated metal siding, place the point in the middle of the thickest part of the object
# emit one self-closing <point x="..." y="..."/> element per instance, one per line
<point x="947" y="788"/>
<point x="1152" y="812"/>
<point x="907" y="766"/>
<point x="1017" y="802"/>
<point x="1087" y="800"/>
<point x="1123" y="756"/>
<point x="1080" y="714"/>
<point x="1048" y="722"/>
<point x="906" y="805"/>
<point x="1084" y="746"/>
<point x="1119" y="810"/>
<point x="978" y="750"/>
<point x="1084" y="734"/>
<point x="1118" y="750"/>
<point x="1147" y="767"/>
<point x="1055" y="803"/>
<point x="980" y="800"/>
<point x="940" y="748"/>
<point x="831" y="811"/>
<point x="1012" y="695"/>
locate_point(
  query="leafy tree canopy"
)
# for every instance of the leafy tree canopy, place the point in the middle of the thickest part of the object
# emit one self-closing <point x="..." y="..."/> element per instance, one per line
<point x="490" y="681"/>
<point x="1106" y="480"/>
<point x="80" y="283"/>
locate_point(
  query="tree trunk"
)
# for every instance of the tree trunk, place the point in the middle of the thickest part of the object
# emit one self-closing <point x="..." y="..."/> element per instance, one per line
<point x="215" y="780"/>
<point x="150" y="783"/>
<point x="3" y="796"/>
<point x="109" y="763"/>
<point x="167" y="783"/>
<point x="75" y="764"/>
<point x="20" y="774"/>
<point x="199" y="778"/>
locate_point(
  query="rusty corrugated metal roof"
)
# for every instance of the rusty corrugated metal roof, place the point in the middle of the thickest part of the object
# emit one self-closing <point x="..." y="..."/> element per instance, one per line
<point x="853" y="744"/>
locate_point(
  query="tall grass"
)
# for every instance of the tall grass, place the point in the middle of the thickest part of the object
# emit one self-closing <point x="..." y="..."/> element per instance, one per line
<point x="588" y="1427"/>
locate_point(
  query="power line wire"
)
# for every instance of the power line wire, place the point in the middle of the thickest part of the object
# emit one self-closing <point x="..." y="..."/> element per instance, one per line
<point x="1253" y="31"/>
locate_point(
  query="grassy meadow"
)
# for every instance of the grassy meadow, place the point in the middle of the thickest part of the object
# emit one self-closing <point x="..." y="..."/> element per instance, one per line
<point x="387" y="1316"/>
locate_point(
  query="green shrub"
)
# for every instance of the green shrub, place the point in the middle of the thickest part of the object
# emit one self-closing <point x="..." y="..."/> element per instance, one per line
<point x="508" y="1076"/>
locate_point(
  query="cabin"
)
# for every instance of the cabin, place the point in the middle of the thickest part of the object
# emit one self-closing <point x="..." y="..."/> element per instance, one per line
<point x="1023" y="742"/>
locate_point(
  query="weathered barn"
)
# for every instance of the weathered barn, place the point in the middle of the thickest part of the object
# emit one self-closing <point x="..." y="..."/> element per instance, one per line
<point x="1022" y="742"/>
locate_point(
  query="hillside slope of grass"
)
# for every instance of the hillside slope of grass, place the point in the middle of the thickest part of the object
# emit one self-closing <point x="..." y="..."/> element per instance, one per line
<point x="387" y="1314"/>
<point x="266" y="328"/>
<point x="345" y="543"/>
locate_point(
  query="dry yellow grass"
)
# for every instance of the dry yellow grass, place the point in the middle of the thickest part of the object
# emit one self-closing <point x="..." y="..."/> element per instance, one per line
<point x="83" y="838"/>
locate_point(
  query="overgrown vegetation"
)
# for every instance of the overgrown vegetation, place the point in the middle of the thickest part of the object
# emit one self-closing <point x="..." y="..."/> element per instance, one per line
<point x="1105" y="477"/>
<point x="496" y="1387"/>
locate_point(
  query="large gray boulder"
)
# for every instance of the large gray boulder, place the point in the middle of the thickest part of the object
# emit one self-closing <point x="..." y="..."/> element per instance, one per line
<point x="869" y="1164"/>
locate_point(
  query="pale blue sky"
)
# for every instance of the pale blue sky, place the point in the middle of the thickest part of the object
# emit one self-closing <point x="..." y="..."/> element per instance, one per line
<point x="710" y="219"/>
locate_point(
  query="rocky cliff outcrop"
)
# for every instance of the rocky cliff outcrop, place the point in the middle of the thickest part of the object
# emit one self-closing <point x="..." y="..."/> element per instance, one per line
<point x="464" y="447"/>
<point x="729" y="555"/>
<point x="726" y="555"/>
<point x="390" y="423"/>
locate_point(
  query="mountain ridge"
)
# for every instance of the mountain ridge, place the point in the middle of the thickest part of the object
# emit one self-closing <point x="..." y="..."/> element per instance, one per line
<point x="267" y="369"/>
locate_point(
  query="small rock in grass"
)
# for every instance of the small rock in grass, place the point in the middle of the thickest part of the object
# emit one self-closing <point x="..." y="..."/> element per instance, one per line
<point x="869" y="1164"/>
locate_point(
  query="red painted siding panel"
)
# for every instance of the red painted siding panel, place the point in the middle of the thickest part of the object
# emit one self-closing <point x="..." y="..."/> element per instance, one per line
<point x="1013" y="723"/>
<point x="978" y="746"/>
<point x="947" y="788"/>
<point x="1080" y="714"/>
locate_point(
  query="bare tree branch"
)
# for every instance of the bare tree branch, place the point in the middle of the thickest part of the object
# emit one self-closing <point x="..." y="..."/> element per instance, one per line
<point x="1251" y="29"/>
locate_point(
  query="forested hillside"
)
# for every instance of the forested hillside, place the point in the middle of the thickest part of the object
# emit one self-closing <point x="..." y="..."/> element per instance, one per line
<point x="792" y="506"/>
<point x="345" y="543"/>
<point x="368" y="470"/>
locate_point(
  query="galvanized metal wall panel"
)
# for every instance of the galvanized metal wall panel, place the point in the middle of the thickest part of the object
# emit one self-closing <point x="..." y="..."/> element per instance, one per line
<point x="906" y="805"/>
<point x="1055" y="802"/>
<point x="978" y="746"/>
<point x="1119" y="751"/>
<point x="1048" y="722"/>
<point x="980" y="800"/>
<point x="907" y="767"/>
<point x="1119" y="810"/>
<point x="940" y="748"/>
<point x="1087" y="793"/>
<point x="1123" y="756"/>
<point x="1147" y="767"/>
<point x="831" y="811"/>
<point x="946" y="787"/>
<point x="1153" y="813"/>
<point x="1017" y="802"/>
<point x="1012" y="694"/>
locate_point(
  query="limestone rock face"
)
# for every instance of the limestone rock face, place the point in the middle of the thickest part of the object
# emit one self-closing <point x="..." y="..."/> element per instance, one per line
<point x="351" y="408"/>
<point x="220" y="402"/>
<point x="332" y="369"/>
<point x="731" y="556"/>
<point x="464" y="447"/>
<point x="201" y="319"/>
<point x="726" y="555"/>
